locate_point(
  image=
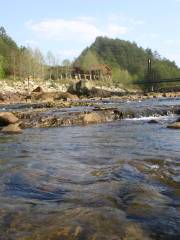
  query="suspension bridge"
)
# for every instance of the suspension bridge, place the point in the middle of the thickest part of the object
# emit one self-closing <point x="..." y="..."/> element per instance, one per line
<point x="152" y="79"/>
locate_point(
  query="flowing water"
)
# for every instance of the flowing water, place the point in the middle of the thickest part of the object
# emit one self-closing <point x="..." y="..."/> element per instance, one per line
<point x="118" y="180"/>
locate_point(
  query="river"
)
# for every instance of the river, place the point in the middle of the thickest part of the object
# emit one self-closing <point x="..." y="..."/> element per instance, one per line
<point x="117" y="180"/>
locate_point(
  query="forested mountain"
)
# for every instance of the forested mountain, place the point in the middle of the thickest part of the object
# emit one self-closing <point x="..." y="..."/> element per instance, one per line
<point x="127" y="60"/>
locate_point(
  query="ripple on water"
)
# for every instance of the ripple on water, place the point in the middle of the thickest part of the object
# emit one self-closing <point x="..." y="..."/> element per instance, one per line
<point x="20" y="187"/>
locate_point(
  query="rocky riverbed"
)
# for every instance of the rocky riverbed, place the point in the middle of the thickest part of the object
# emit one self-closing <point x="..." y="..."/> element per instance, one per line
<point x="48" y="114"/>
<point x="41" y="109"/>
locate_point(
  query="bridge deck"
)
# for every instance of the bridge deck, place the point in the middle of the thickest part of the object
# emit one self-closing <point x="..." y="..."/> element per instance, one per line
<point x="166" y="80"/>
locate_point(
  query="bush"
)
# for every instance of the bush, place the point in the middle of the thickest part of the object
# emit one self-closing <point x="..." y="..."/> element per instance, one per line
<point x="121" y="77"/>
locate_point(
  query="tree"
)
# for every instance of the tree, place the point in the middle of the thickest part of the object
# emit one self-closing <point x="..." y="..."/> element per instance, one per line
<point x="38" y="63"/>
<point x="120" y="76"/>
<point x="89" y="61"/>
<point x="51" y="63"/>
<point x="13" y="56"/>
<point x="2" y="31"/>
<point x="50" y="58"/>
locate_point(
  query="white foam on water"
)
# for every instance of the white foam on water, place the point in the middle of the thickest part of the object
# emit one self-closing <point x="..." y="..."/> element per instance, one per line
<point x="154" y="167"/>
<point x="3" y="109"/>
<point x="171" y="116"/>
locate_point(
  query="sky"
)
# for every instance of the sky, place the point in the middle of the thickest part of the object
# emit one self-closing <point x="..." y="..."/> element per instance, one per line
<point x="66" y="27"/>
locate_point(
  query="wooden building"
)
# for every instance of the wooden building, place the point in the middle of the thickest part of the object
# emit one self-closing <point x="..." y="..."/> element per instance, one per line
<point x="97" y="72"/>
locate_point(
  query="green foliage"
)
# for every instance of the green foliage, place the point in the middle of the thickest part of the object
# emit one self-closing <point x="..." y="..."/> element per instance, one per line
<point x="88" y="60"/>
<point x="120" y="76"/>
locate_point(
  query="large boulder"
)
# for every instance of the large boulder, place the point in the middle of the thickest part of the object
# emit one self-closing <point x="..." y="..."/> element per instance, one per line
<point x="96" y="92"/>
<point x="38" y="90"/>
<point x="14" y="97"/>
<point x="81" y="87"/>
<point x="175" y="125"/>
<point x="83" y="84"/>
<point x="2" y="97"/>
<point x="7" y="118"/>
<point x="47" y="97"/>
<point x="93" y="118"/>
<point x="65" y="96"/>
<point x="12" y="129"/>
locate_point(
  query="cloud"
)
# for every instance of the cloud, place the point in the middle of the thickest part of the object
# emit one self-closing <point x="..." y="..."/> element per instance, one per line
<point x="125" y="19"/>
<point x="60" y="29"/>
<point x="115" y="30"/>
<point x="138" y="22"/>
<point x="151" y="36"/>
<point x="83" y="29"/>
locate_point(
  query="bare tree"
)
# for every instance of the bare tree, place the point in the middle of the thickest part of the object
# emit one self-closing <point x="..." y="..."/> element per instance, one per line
<point x="51" y="63"/>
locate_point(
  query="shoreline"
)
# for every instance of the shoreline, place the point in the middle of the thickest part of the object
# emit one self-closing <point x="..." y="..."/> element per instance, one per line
<point x="67" y="90"/>
<point x="41" y="96"/>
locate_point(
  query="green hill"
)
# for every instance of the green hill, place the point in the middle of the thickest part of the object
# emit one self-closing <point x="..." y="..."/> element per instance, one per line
<point x="127" y="60"/>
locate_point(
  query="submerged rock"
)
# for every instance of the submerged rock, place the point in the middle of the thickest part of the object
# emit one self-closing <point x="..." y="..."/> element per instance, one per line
<point x="7" y="118"/>
<point x="135" y="232"/>
<point x="153" y="121"/>
<point x="12" y="129"/>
